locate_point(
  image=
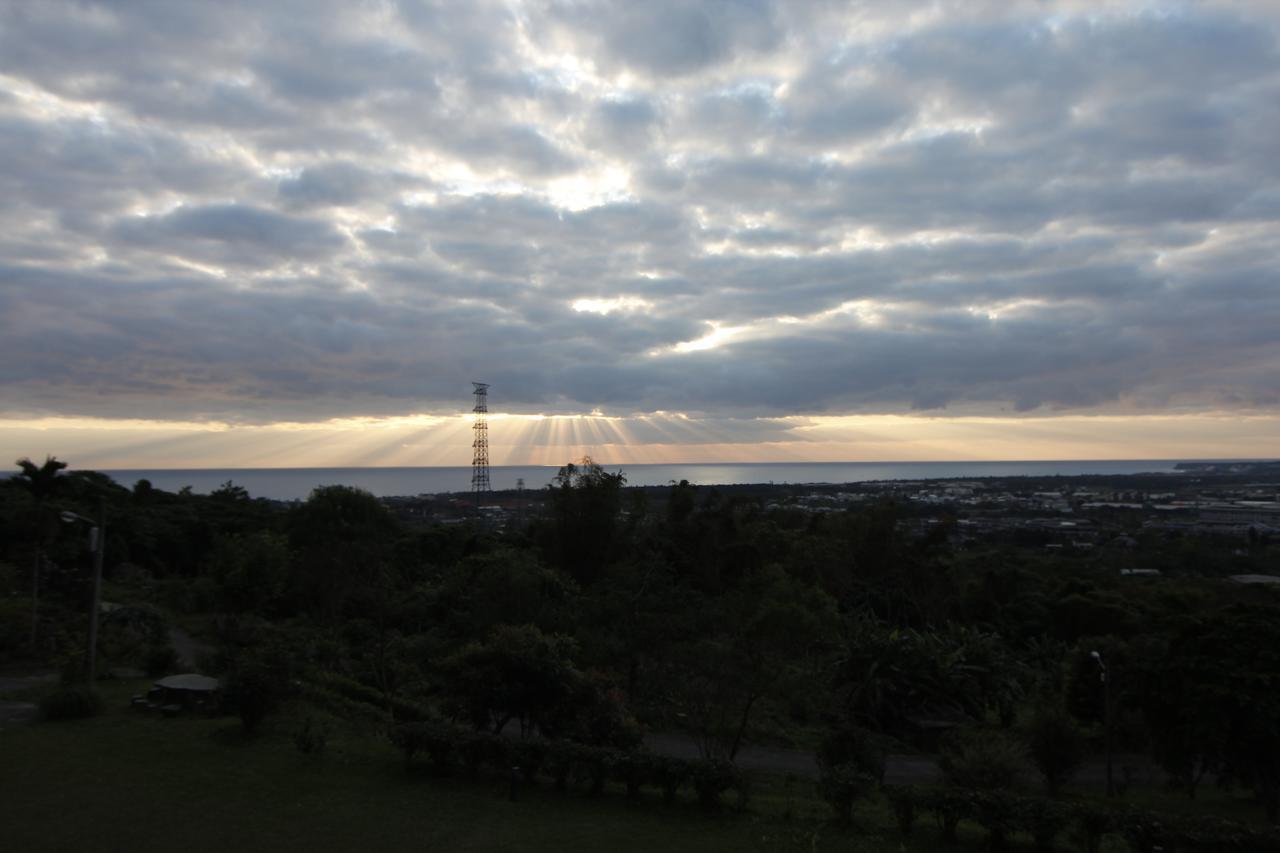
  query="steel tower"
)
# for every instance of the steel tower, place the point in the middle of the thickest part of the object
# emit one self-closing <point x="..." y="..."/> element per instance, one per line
<point x="480" y="443"/>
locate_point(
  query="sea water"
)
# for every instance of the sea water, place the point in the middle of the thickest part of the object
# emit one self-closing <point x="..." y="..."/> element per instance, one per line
<point x="296" y="483"/>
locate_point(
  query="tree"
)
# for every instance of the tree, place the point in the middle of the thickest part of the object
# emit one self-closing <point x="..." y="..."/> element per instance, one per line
<point x="890" y="675"/>
<point x="1214" y="703"/>
<point x="250" y="571"/>
<point x="632" y="618"/>
<point x="342" y="540"/>
<point x="768" y="638"/>
<point x="41" y="481"/>
<point x="585" y="503"/>
<point x="518" y="673"/>
<point x="505" y="586"/>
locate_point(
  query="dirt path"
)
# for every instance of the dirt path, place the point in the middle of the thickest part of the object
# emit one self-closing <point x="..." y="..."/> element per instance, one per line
<point x="899" y="769"/>
<point x="187" y="647"/>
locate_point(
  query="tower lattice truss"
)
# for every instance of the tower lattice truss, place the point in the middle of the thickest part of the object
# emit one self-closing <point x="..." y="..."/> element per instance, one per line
<point x="480" y="441"/>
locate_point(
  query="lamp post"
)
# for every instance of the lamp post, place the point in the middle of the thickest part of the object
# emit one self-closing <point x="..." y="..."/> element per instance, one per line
<point x="1106" y="713"/>
<point x="97" y="544"/>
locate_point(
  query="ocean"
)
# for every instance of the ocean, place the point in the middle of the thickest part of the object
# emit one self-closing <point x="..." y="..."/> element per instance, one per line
<point x="296" y="483"/>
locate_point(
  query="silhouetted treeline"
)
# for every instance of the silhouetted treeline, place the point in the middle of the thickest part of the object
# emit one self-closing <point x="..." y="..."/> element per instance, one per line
<point x="615" y="610"/>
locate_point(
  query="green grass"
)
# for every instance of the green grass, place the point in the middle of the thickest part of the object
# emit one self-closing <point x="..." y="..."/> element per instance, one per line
<point x="130" y="782"/>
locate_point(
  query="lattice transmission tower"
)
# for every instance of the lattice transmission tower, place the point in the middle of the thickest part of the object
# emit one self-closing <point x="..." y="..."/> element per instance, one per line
<point x="480" y="442"/>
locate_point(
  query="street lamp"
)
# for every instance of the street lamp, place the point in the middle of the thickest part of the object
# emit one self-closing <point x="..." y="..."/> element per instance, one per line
<point x="1106" y="712"/>
<point x="97" y="544"/>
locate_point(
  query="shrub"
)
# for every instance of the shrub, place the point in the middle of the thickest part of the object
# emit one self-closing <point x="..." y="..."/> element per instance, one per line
<point x="310" y="739"/>
<point x="476" y="749"/>
<point x="529" y="756"/>
<point x="357" y="691"/>
<point x="441" y="750"/>
<point x="981" y="760"/>
<point x="948" y="807"/>
<point x="74" y="702"/>
<point x="853" y="746"/>
<point x="711" y="778"/>
<point x="1043" y="820"/>
<point x="841" y="785"/>
<point x="902" y="799"/>
<point x="1144" y="832"/>
<point x="161" y="659"/>
<point x="670" y="774"/>
<point x="1094" y="823"/>
<point x="632" y="769"/>
<point x="408" y="738"/>
<point x="1215" y="835"/>
<point x="592" y="766"/>
<point x="996" y="812"/>
<point x="850" y="765"/>
<point x="259" y="679"/>
<point x="435" y="739"/>
<point x="1056" y="745"/>
<point x="560" y="761"/>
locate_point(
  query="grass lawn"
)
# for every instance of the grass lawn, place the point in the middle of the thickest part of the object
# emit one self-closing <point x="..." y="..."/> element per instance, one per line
<point x="131" y="782"/>
<point x="125" y="781"/>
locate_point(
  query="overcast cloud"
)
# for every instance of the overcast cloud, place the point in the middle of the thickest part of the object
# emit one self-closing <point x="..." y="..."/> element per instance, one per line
<point x="296" y="211"/>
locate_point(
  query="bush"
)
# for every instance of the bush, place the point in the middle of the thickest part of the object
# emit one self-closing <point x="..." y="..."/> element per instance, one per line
<point x="310" y="739"/>
<point x="632" y="769"/>
<point x="74" y="702"/>
<point x="981" y="760"/>
<point x="258" y="680"/>
<point x="529" y="756"/>
<point x="1001" y="813"/>
<point x="560" y="761"/>
<point x="997" y="813"/>
<point x="409" y="739"/>
<point x="841" y="785"/>
<point x="161" y="659"/>
<point x="477" y="749"/>
<point x="1094" y="823"/>
<point x="356" y="691"/>
<point x="850" y="765"/>
<point x="590" y="765"/>
<point x="902" y="799"/>
<point x="711" y="778"/>
<point x="670" y="774"/>
<point x="1043" y="820"/>
<point x="948" y="807"/>
<point x="1056" y="746"/>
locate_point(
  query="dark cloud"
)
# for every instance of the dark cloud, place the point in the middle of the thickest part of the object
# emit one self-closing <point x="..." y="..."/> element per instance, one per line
<point x="232" y="234"/>
<point x="309" y="209"/>
<point x="669" y="37"/>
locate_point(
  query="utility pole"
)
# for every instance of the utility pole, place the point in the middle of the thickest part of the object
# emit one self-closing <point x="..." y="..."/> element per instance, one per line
<point x="1107" y="718"/>
<point x="99" y="545"/>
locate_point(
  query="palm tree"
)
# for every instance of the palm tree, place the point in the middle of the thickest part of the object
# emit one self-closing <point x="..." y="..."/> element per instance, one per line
<point x="42" y="482"/>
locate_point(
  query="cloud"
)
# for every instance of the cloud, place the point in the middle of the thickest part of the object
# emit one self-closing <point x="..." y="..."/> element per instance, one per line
<point x="232" y="234"/>
<point x="302" y="211"/>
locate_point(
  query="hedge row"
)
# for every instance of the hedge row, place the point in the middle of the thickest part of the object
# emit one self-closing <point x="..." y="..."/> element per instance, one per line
<point x="357" y="691"/>
<point x="449" y="748"/>
<point x="1000" y="814"/>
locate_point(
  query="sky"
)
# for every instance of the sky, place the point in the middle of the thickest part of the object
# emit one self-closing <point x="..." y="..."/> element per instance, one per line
<point x="293" y="233"/>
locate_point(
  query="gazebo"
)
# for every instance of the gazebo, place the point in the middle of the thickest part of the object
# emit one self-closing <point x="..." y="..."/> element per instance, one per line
<point x="173" y="693"/>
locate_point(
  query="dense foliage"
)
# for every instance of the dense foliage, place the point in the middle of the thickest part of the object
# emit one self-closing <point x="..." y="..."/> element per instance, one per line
<point x="605" y="611"/>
